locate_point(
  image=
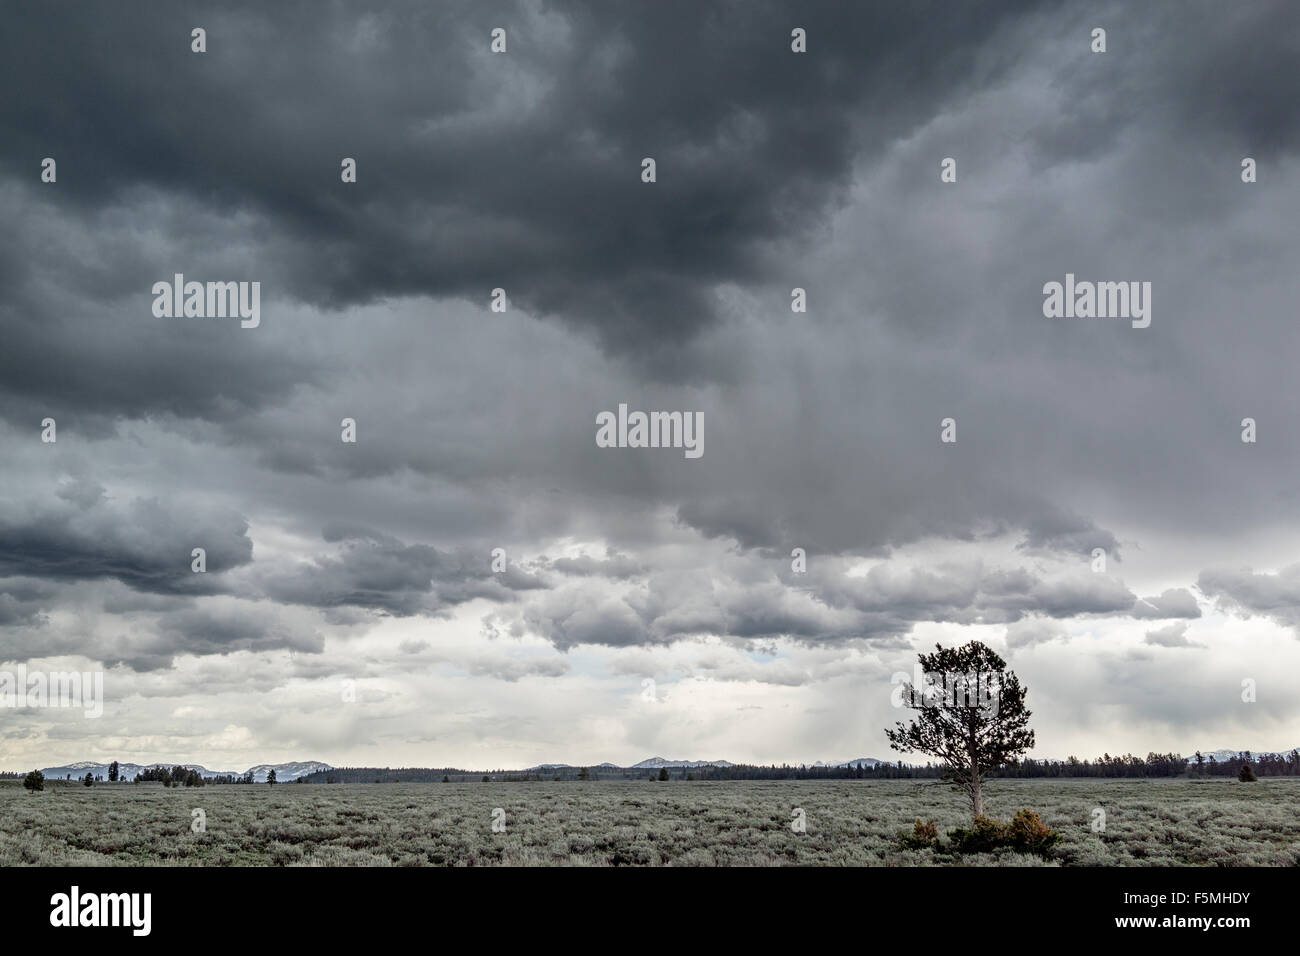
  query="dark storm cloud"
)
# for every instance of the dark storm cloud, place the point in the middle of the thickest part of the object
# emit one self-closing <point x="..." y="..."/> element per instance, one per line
<point x="757" y="524"/>
<point x="151" y="640"/>
<point x="1032" y="631"/>
<point x="1054" y="530"/>
<point x="1195" y="71"/>
<point x="881" y="606"/>
<point x="476" y="171"/>
<point x="212" y="630"/>
<point x="522" y="171"/>
<point x="80" y="341"/>
<point x="146" y="544"/>
<point x="589" y="615"/>
<point x="22" y="600"/>
<point x="1275" y="596"/>
<point x="973" y="594"/>
<point x="375" y="571"/>
<point x="613" y="565"/>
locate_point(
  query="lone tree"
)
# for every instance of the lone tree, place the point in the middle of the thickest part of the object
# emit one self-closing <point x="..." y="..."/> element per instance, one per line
<point x="34" y="780"/>
<point x="970" y="714"/>
<point x="113" y="772"/>
<point x="270" y="777"/>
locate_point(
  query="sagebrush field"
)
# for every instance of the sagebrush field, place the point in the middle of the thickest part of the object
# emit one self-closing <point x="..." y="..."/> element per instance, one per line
<point x="1148" y="822"/>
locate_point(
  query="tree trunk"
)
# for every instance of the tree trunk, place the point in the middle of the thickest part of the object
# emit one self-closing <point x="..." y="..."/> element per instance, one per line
<point x="972" y="751"/>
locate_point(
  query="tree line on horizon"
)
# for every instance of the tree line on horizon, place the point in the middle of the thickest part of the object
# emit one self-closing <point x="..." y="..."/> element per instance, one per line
<point x="178" y="776"/>
<point x="1106" y="766"/>
<point x="1154" y="765"/>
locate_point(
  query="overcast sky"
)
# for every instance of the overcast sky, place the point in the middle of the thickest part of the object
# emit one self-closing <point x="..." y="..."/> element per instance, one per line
<point x="339" y="570"/>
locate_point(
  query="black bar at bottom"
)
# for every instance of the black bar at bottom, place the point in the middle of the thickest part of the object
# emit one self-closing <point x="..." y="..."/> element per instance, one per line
<point x="338" y="906"/>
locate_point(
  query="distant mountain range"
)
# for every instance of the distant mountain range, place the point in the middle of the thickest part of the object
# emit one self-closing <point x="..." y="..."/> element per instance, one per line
<point x="650" y="763"/>
<point x="284" y="772"/>
<point x="657" y="763"/>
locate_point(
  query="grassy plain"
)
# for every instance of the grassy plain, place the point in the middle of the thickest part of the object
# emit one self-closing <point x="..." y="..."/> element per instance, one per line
<point x="745" y="823"/>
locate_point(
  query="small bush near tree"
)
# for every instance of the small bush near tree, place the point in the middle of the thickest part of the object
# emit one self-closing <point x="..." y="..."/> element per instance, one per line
<point x="88" y="780"/>
<point x="1026" y="833"/>
<point x="1246" y="775"/>
<point x="984" y="836"/>
<point x="34" y="780"/>
<point x="924" y="834"/>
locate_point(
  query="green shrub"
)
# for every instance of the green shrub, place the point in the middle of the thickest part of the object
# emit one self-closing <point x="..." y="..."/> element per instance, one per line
<point x="986" y="836"/>
<point x="924" y="833"/>
<point x="1026" y="833"/>
<point x="1246" y="775"/>
<point x="34" y="780"/>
